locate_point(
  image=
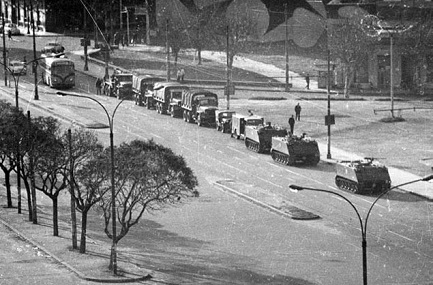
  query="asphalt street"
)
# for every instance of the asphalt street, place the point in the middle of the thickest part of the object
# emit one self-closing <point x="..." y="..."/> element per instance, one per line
<point x="224" y="238"/>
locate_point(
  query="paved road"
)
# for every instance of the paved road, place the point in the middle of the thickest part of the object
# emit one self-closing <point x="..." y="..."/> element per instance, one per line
<point x="224" y="238"/>
<point x="225" y="230"/>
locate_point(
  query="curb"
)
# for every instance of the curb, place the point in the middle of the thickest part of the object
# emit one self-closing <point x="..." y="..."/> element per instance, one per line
<point x="292" y="212"/>
<point x="69" y="267"/>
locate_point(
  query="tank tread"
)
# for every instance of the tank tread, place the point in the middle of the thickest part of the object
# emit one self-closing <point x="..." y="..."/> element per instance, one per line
<point x="281" y="157"/>
<point x="252" y="145"/>
<point x="347" y="185"/>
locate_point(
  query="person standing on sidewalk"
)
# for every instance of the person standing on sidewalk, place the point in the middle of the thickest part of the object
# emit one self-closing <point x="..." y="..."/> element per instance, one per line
<point x="298" y="112"/>
<point x="292" y="124"/>
<point x="307" y="80"/>
<point x="98" y="86"/>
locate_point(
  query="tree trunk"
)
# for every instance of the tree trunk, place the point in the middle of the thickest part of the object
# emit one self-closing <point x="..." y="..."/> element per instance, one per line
<point x="176" y="56"/>
<point x="346" y="85"/>
<point x="199" y="56"/>
<point x="8" y="187"/>
<point x="83" y="232"/>
<point x="55" y="217"/>
<point x="29" y="199"/>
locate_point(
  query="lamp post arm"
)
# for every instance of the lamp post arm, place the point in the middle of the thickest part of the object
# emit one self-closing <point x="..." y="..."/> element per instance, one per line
<point x="115" y="109"/>
<point x="345" y="199"/>
<point x="385" y="192"/>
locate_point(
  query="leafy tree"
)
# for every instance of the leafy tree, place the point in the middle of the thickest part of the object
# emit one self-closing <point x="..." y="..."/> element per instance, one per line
<point x="148" y="177"/>
<point x="350" y="46"/>
<point x="89" y="176"/>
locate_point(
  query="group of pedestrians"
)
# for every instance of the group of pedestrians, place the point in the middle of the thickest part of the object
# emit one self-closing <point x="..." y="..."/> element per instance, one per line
<point x="293" y="118"/>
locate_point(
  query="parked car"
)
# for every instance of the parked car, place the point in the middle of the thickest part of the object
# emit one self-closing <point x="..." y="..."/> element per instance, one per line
<point x="17" y="67"/>
<point x="53" y="47"/>
<point x="224" y="120"/>
<point x="13" y="28"/>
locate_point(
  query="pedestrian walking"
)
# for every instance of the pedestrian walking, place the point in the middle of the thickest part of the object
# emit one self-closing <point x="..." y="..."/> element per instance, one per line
<point x="182" y="74"/>
<point x="98" y="86"/>
<point x="298" y="112"/>
<point x="134" y="38"/>
<point x="10" y="35"/>
<point x="307" y="80"/>
<point x="292" y="124"/>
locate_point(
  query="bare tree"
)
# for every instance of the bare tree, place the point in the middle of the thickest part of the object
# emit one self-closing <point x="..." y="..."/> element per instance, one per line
<point x="350" y="46"/>
<point x="50" y="161"/>
<point x="238" y="28"/>
<point x="11" y="128"/>
<point x="89" y="177"/>
<point x="148" y="177"/>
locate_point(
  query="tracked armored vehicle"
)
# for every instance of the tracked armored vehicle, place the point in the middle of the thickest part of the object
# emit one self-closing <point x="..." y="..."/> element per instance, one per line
<point x="291" y="150"/>
<point x="365" y="176"/>
<point x="259" y="138"/>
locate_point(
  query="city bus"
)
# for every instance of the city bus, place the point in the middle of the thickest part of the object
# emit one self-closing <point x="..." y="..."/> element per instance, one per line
<point x="58" y="72"/>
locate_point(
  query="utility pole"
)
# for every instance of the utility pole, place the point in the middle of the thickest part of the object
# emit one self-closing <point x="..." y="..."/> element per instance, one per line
<point x="32" y="177"/>
<point x="35" y="62"/>
<point x="120" y="15"/>
<point x="4" y="52"/>
<point x="71" y="185"/>
<point x="86" y="66"/>
<point x="286" y="47"/>
<point x="167" y="47"/>
<point x="228" y="73"/>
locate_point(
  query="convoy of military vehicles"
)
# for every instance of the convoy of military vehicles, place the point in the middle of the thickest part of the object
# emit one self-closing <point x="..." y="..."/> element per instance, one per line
<point x="200" y="106"/>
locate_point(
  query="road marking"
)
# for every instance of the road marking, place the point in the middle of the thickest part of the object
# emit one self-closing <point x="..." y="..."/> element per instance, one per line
<point x="402" y="236"/>
<point x="265" y="180"/>
<point x="156" y="135"/>
<point x="232" y="148"/>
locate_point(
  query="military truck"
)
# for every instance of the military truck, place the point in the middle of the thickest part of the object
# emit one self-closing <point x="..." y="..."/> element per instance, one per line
<point x="199" y="106"/>
<point x="168" y="97"/>
<point x="365" y="176"/>
<point x="259" y="138"/>
<point x="292" y="150"/>
<point x="122" y="85"/>
<point x="142" y="87"/>
<point x="223" y="120"/>
<point x="239" y="122"/>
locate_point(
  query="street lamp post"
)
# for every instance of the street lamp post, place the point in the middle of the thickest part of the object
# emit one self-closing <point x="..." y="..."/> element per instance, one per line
<point x="113" y="191"/>
<point x="363" y="223"/>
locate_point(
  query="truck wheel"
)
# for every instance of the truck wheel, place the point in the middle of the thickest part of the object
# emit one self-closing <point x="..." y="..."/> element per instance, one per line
<point x="199" y="123"/>
<point x="184" y="115"/>
<point x="188" y="117"/>
<point x="172" y="111"/>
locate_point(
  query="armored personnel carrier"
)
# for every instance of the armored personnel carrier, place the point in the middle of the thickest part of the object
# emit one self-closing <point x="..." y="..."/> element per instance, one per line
<point x="365" y="176"/>
<point x="291" y="150"/>
<point x="259" y="138"/>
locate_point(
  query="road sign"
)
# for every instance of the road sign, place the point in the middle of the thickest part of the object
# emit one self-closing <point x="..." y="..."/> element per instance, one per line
<point x="329" y="120"/>
<point x="84" y="41"/>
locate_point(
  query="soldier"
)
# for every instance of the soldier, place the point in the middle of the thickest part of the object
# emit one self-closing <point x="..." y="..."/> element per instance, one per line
<point x="298" y="112"/>
<point x="292" y="124"/>
<point x="98" y="85"/>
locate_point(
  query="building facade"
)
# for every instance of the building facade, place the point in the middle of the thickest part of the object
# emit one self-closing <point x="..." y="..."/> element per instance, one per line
<point x="20" y="12"/>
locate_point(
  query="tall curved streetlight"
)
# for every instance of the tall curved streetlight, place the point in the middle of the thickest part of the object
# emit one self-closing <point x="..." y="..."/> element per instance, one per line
<point x="113" y="191"/>
<point x="363" y="223"/>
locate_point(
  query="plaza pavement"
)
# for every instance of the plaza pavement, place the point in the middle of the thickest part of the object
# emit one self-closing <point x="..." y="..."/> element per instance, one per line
<point x="89" y="266"/>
